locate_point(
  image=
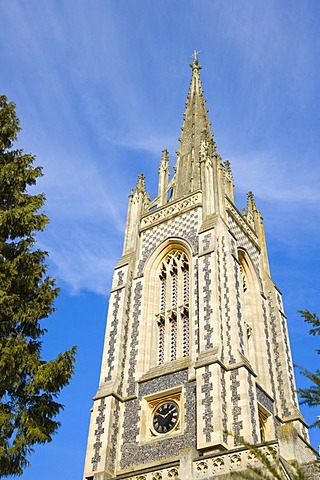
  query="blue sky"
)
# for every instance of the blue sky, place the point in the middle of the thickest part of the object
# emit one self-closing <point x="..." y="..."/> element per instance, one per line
<point x="100" y="88"/>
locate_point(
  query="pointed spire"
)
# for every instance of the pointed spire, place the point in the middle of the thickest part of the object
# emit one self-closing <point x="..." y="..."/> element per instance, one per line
<point x="251" y="204"/>
<point x="196" y="127"/>
<point x="251" y="208"/>
<point x="229" y="180"/>
<point x="139" y="201"/>
<point x="164" y="162"/>
<point x="141" y="187"/>
<point x="163" y="177"/>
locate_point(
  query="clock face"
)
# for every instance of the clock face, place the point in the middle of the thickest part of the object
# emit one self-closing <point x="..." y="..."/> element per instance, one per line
<point x="165" y="417"/>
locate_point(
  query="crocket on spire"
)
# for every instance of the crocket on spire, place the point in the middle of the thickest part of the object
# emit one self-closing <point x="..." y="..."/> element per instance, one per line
<point x="195" y="127"/>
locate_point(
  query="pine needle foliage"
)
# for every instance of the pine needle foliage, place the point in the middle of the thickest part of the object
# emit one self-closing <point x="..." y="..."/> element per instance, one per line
<point x="29" y="385"/>
<point x="311" y="396"/>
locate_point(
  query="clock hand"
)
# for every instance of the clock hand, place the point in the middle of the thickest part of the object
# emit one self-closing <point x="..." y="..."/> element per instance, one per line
<point x="163" y="416"/>
<point x="170" y="411"/>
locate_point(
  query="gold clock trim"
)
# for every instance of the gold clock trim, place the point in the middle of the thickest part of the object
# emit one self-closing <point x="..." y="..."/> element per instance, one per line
<point x="155" y="403"/>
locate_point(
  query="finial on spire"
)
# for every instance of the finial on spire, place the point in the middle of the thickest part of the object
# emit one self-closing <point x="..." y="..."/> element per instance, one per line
<point x="251" y="204"/>
<point x="164" y="162"/>
<point x="140" y="184"/>
<point x="195" y="55"/>
<point x="165" y="155"/>
<point x="195" y="63"/>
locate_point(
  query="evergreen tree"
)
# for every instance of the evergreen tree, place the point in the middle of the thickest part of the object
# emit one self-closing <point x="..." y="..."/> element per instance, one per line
<point x="311" y="396"/>
<point x="29" y="385"/>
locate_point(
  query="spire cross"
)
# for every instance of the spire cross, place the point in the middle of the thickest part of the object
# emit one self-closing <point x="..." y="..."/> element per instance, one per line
<point x="195" y="55"/>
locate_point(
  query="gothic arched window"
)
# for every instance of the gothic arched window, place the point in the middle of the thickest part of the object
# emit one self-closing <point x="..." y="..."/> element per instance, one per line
<point x="173" y="312"/>
<point x="255" y="347"/>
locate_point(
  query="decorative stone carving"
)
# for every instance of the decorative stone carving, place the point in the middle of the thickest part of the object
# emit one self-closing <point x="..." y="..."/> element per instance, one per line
<point x="202" y="467"/>
<point x="218" y="464"/>
<point x="235" y="460"/>
<point x="173" y="473"/>
<point x="164" y="213"/>
<point x="156" y="476"/>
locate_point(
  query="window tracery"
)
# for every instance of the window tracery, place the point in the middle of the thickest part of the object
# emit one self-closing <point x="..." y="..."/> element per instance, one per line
<point x="173" y="322"/>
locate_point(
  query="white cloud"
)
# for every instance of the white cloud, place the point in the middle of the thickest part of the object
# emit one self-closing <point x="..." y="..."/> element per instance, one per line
<point x="81" y="258"/>
<point x="274" y="178"/>
<point x="87" y="222"/>
<point x="87" y="88"/>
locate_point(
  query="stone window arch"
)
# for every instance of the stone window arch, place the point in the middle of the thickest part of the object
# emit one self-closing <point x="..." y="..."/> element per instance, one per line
<point x="252" y="319"/>
<point x="249" y="300"/>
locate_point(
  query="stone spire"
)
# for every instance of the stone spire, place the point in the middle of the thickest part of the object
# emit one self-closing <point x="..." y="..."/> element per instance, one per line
<point x="196" y="127"/>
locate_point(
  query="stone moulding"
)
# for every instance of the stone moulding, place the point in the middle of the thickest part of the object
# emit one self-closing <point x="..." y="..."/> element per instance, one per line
<point x="208" y="466"/>
<point x="170" y="472"/>
<point x="238" y="218"/>
<point x="171" y="367"/>
<point x="164" y="213"/>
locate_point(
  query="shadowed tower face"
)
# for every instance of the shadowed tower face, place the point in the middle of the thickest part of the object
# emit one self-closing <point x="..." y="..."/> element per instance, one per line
<point x="196" y="344"/>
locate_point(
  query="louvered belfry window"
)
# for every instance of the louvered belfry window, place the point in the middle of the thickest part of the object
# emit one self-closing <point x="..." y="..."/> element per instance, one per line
<point x="173" y="314"/>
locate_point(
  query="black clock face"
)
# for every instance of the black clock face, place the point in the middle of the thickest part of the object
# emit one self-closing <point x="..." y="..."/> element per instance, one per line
<point x="165" y="417"/>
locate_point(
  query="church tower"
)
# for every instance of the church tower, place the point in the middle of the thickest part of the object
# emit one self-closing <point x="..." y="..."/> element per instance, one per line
<point x="196" y="355"/>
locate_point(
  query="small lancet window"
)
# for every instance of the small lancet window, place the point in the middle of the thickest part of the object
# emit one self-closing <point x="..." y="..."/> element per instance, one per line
<point x="185" y="269"/>
<point x="163" y="289"/>
<point x="185" y="332"/>
<point x="161" y="330"/>
<point x="173" y="336"/>
<point x="173" y="314"/>
<point x="174" y="286"/>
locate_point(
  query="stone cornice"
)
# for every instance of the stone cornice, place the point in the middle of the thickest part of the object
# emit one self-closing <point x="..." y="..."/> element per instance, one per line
<point x="170" y="210"/>
<point x="166" y="368"/>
